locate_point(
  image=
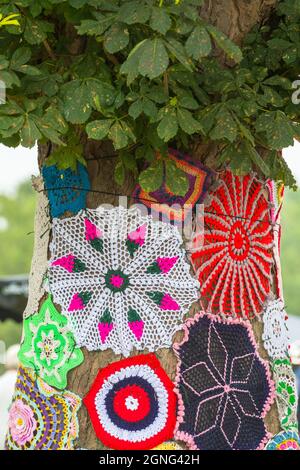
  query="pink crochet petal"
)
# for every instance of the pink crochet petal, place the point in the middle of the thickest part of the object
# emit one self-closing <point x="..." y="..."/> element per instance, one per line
<point x="76" y="303"/>
<point x="104" y="330"/>
<point x="166" y="264"/>
<point x="168" y="303"/>
<point x="138" y="236"/>
<point x="91" y="231"/>
<point x="137" y="328"/>
<point x="66" y="262"/>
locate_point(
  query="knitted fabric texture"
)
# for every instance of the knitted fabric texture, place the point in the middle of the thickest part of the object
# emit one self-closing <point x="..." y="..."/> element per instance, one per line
<point x="49" y="347"/>
<point x="234" y="264"/>
<point x="39" y="262"/>
<point x="121" y="279"/>
<point x="285" y="440"/>
<point x="40" y="418"/>
<point x="67" y="189"/>
<point x="275" y="335"/>
<point x="224" y="387"/>
<point x="164" y="204"/>
<point x="286" y="393"/>
<point x="132" y="404"/>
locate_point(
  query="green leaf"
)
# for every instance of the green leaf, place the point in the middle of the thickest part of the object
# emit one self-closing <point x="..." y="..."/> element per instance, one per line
<point x="154" y="59"/>
<point x="257" y="159"/>
<point x="119" y="173"/>
<point x="152" y="178"/>
<point x="118" y="136"/>
<point x="36" y="31"/>
<point x="29" y="133"/>
<point x="20" y="57"/>
<point x="116" y="38"/>
<point x="76" y="97"/>
<point x="186" y="121"/>
<point x="134" y="12"/>
<point x="101" y="94"/>
<point x="179" y="52"/>
<point x="160" y="20"/>
<point x="95" y="27"/>
<point x="225" y="127"/>
<point x="176" y="180"/>
<point x="136" y="109"/>
<point x="198" y="44"/>
<point x="67" y="157"/>
<point x="98" y="130"/>
<point x="231" y="49"/>
<point x="168" y="126"/>
<point x="277" y="128"/>
<point x="131" y="65"/>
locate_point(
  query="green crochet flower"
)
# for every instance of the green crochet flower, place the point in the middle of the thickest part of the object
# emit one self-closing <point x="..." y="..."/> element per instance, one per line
<point x="49" y="347"/>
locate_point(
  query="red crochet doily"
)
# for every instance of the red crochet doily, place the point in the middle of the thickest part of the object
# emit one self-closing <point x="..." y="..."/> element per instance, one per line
<point x="132" y="404"/>
<point x="235" y="262"/>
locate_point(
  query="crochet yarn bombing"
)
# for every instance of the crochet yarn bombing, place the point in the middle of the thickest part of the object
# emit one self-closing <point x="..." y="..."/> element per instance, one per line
<point x="224" y="387"/>
<point x="40" y="418"/>
<point x="49" y="346"/>
<point x="164" y="204"/>
<point x="67" y="189"/>
<point x="132" y="404"/>
<point x="121" y="279"/>
<point x="275" y="334"/>
<point x="235" y="262"/>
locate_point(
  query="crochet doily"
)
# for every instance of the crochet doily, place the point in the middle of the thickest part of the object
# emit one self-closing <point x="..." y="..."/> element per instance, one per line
<point x="49" y="346"/>
<point x="285" y="440"/>
<point x="234" y="264"/>
<point x="39" y="262"/>
<point x="67" y="189"/>
<point x="132" y="404"/>
<point x="286" y="393"/>
<point x="121" y="279"/>
<point x="275" y="334"/>
<point x="224" y="387"/>
<point x="40" y="418"/>
<point x="167" y="206"/>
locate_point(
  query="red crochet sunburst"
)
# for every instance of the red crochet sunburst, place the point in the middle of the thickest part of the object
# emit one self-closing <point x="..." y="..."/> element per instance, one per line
<point x="234" y="264"/>
<point x="132" y="404"/>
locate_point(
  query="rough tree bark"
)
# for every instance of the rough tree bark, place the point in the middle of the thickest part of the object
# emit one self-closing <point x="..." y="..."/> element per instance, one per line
<point x="235" y="18"/>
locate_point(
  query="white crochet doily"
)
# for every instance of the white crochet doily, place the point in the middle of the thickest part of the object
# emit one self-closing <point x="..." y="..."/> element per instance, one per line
<point x="121" y="278"/>
<point x="286" y="393"/>
<point x="275" y="334"/>
<point x="39" y="263"/>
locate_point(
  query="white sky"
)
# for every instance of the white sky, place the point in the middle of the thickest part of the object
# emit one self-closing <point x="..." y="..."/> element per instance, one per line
<point x="18" y="164"/>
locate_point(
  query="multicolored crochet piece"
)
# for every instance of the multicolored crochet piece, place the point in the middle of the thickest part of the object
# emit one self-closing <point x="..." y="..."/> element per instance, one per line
<point x="121" y="278"/>
<point x="286" y="393"/>
<point x="275" y="335"/>
<point x="132" y="404"/>
<point x="49" y="346"/>
<point x="67" y="189"/>
<point x="167" y="206"/>
<point x="224" y="387"/>
<point x="285" y="440"/>
<point x="235" y="262"/>
<point x="40" y="418"/>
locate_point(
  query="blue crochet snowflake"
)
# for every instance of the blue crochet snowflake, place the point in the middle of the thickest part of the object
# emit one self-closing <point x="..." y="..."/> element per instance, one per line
<point x="67" y="189"/>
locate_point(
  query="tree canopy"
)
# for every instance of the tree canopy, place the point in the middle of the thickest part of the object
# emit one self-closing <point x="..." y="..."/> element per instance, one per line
<point x="145" y="75"/>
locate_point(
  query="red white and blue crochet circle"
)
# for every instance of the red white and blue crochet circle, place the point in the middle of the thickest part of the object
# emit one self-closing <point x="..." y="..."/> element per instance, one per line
<point x="132" y="404"/>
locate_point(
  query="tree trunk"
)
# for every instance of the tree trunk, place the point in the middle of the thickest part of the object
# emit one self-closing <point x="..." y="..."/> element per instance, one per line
<point x="235" y="18"/>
